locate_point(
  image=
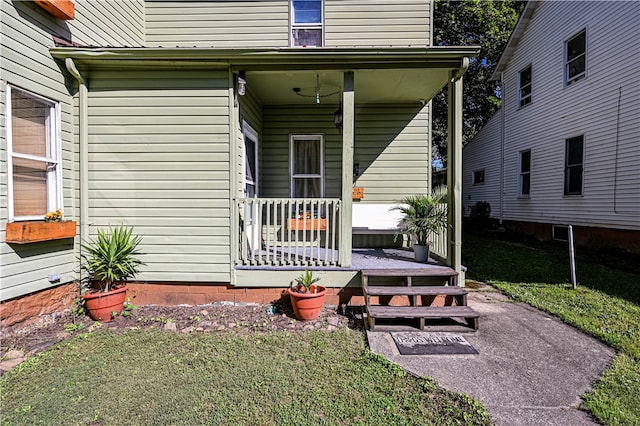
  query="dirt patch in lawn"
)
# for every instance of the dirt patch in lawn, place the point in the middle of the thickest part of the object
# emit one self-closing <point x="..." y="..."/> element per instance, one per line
<point x="18" y="343"/>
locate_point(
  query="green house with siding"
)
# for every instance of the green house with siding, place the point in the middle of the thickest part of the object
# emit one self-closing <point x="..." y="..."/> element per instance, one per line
<point x="233" y="136"/>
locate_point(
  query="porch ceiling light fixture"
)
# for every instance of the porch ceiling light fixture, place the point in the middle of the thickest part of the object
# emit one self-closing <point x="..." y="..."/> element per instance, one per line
<point x="317" y="93"/>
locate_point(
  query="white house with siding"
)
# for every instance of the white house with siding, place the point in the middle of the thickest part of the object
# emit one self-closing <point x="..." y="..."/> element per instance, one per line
<point x="210" y="126"/>
<point x="564" y="149"/>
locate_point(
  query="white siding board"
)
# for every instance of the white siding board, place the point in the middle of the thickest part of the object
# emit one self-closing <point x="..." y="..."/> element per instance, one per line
<point x="483" y="152"/>
<point x="610" y="198"/>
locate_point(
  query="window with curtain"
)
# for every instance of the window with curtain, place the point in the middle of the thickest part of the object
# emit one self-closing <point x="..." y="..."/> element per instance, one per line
<point x="307" y="23"/>
<point x="307" y="166"/>
<point x="34" y="155"/>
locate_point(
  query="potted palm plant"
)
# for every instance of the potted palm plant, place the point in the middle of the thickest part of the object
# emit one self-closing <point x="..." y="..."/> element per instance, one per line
<point x="307" y="298"/>
<point x="109" y="261"/>
<point x="423" y="214"/>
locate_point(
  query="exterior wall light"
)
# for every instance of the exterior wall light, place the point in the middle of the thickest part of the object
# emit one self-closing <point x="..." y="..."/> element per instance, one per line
<point x="242" y="83"/>
<point x="337" y="118"/>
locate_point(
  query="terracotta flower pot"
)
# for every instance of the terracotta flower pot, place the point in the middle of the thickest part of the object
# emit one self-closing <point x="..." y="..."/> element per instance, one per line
<point x="102" y="305"/>
<point x="307" y="306"/>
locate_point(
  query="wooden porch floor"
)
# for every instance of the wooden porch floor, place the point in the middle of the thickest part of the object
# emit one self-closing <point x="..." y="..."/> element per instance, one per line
<point x="369" y="259"/>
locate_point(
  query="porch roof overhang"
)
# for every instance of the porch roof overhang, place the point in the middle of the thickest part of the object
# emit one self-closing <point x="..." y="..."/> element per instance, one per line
<point x="383" y="75"/>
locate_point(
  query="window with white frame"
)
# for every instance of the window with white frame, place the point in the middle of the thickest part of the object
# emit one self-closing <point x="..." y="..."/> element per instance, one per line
<point x="574" y="156"/>
<point x="307" y="23"/>
<point x="307" y="166"/>
<point x="477" y="177"/>
<point x="33" y="145"/>
<point x="576" y="57"/>
<point x="524" y="86"/>
<point x="525" y="174"/>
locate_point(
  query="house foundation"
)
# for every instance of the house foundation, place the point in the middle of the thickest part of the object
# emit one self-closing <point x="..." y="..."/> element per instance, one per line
<point x="586" y="236"/>
<point x="28" y="309"/>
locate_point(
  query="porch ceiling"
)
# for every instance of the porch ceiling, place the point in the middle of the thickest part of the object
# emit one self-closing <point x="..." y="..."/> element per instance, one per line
<point x="382" y="75"/>
<point x="382" y="86"/>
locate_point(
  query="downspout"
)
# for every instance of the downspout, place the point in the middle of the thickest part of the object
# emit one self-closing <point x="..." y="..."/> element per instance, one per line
<point x="83" y="138"/>
<point x="462" y="69"/>
<point x="502" y="138"/>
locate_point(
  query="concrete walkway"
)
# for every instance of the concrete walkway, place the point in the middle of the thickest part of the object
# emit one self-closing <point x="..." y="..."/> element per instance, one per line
<point x="531" y="370"/>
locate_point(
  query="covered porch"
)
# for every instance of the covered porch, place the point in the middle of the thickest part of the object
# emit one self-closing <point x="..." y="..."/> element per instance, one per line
<point x="371" y="115"/>
<point x="229" y="161"/>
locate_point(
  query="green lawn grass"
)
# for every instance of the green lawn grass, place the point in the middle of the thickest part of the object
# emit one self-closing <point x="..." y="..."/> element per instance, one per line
<point x="154" y="377"/>
<point x="606" y="304"/>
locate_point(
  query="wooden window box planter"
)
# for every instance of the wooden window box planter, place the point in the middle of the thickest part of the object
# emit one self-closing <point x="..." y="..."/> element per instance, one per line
<point x="308" y="224"/>
<point x="61" y="9"/>
<point x="358" y="192"/>
<point x="33" y="232"/>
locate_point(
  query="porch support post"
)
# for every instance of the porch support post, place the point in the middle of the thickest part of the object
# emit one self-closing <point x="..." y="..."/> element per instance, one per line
<point x="348" y="123"/>
<point x="454" y="173"/>
<point x="234" y="186"/>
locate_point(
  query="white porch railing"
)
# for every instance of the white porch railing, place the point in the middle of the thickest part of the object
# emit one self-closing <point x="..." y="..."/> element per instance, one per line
<point x="438" y="244"/>
<point x="438" y="241"/>
<point x="289" y="231"/>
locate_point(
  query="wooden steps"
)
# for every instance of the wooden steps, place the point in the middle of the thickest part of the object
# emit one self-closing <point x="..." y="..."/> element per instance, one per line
<point x="451" y="291"/>
<point x="424" y="312"/>
<point x="415" y="291"/>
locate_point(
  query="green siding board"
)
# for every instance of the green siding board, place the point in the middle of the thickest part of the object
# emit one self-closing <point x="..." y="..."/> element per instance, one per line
<point x="186" y="111"/>
<point x="162" y="241"/>
<point x="167" y="147"/>
<point x="26" y="63"/>
<point x="174" y="189"/>
<point x="266" y="23"/>
<point x="171" y="166"/>
<point x="161" y="139"/>
<point x="164" y="175"/>
<point x="130" y="21"/>
<point x="201" y="250"/>
<point x="219" y="24"/>
<point x="377" y="23"/>
<point x="147" y="101"/>
<point x="140" y="195"/>
<point x="179" y="129"/>
<point x="158" y="96"/>
<point x="12" y="262"/>
<point x="143" y="214"/>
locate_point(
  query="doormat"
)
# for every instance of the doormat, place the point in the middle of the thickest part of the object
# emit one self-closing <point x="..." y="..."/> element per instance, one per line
<point x="419" y="343"/>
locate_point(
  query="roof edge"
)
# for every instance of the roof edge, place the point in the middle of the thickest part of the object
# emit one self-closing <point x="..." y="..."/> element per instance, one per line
<point x="271" y="55"/>
<point x="514" y="38"/>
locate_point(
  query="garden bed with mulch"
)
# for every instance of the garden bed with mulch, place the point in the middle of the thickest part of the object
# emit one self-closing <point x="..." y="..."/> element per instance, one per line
<point x="17" y="343"/>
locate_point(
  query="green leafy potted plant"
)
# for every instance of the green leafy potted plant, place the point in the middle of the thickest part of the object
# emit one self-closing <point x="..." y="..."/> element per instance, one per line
<point x="423" y="214"/>
<point x="109" y="261"/>
<point x="307" y="298"/>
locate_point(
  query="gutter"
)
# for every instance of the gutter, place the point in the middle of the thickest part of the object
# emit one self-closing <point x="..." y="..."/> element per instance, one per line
<point x="463" y="68"/>
<point x="84" y="147"/>
<point x="361" y="58"/>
